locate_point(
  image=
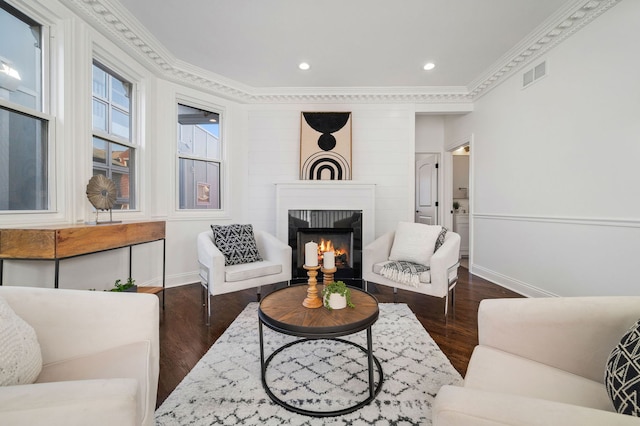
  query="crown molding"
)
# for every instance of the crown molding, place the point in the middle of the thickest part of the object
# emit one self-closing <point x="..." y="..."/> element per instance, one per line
<point x="430" y="95"/>
<point x="556" y="29"/>
<point x="112" y="19"/>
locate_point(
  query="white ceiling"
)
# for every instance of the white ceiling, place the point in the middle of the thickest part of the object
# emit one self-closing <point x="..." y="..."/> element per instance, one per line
<point x="349" y="43"/>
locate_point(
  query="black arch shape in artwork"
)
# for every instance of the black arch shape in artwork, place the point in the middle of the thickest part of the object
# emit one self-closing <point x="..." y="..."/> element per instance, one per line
<point x="317" y="158"/>
<point x="332" y="172"/>
<point x="318" y="165"/>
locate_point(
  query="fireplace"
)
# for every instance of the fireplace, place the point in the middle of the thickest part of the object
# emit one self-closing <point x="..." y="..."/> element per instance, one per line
<point x="339" y="231"/>
<point x="337" y="240"/>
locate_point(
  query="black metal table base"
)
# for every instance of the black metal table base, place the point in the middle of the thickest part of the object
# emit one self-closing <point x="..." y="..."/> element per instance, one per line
<point x="374" y="389"/>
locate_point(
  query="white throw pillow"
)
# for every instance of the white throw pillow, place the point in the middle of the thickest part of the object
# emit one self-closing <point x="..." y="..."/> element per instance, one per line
<point x="414" y="242"/>
<point x="20" y="356"/>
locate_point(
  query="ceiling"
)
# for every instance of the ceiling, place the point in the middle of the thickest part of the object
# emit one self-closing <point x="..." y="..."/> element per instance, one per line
<point x="348" y="43"/>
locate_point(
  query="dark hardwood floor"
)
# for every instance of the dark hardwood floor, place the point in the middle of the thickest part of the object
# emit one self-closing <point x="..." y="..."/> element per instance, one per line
<point x="184" y="337"/>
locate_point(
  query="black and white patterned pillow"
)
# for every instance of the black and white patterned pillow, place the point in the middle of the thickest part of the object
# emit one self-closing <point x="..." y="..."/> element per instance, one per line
<point x="622" y="375"/>
<point x="237" y="243"/>
<point x="440" y="240"/>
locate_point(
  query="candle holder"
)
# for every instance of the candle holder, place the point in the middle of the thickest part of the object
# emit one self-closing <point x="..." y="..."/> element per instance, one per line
<point x="312" y="300"/>
<point x="327" y="275"/>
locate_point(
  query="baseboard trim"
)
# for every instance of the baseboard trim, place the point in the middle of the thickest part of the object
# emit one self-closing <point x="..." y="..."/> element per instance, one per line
<point x="509" y="283"/>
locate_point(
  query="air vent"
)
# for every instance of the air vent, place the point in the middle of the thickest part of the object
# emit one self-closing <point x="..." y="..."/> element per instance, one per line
<point x="534" y="74"/>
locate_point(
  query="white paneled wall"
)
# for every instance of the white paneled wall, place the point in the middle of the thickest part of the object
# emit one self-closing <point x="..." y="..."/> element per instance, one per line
<point x="382" y="154"/>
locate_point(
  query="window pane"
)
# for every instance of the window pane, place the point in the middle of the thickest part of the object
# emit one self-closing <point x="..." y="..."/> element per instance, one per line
<point x="99" y="83"/>
<point x="120" y="93"/>
<point x="119" y="123"/>
<point x="99" y="151"/>
<point x="198" y="133"/>
<point x="119" y="155"/>
<point x="20" y="60"/>
<point x="199" y="184"/>
<point x="99" y="115"/>
<point x="119" y="169"/>
<point x="23" y="162"/>
<point x="123" y="186"/>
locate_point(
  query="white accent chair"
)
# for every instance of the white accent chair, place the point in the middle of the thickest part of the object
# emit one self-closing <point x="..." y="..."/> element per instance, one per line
<point x="540" y="361"/>
<point x="216" y="278"/>
<point x="439" y="281"/>
<point x="100" y="353"/>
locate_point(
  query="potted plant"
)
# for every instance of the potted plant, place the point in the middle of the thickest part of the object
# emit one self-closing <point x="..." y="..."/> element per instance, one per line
<point x="456" y="205"/>
<point x="130" y="285"/>
<point x="336" y="295"/>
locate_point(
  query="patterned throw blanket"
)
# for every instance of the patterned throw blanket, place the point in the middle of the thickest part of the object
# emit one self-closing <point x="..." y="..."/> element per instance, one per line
<point x="403" y="272"/>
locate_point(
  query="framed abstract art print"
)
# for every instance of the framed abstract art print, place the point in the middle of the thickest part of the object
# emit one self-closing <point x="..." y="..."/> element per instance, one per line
<point x="325" y="146"/>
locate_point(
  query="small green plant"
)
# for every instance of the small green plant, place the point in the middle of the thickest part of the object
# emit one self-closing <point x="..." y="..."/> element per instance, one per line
<point x="119" y="286"/>
<point x="338" y="287"/>
<point x="456" y="205"/>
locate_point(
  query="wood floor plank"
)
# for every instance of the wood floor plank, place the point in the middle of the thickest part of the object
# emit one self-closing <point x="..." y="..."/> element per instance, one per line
<point x="184" y="337"/>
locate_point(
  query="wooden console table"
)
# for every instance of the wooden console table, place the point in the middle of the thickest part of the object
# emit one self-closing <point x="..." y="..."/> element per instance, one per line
<point x="66" y="241"/>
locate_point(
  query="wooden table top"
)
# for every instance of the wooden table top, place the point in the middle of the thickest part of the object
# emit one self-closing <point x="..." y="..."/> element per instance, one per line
<point x="63" y="241"/>
<point x="282" y="311"/>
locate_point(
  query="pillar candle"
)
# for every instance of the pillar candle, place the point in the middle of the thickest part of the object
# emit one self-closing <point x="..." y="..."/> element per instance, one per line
<point x="329" y="260"/>
<point x="311" y="254"/>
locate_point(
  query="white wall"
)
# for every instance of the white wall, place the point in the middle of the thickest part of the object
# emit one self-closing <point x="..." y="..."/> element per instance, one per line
<point x="555" y="168"/>
<point x="382" y="154"/>
<point x="429" y="133"/>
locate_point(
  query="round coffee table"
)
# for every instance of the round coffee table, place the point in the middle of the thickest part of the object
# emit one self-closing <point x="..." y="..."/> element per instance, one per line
<point x="282" y="311"/>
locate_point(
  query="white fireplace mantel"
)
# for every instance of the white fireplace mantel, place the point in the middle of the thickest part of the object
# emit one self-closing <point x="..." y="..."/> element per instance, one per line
<point x="326" y="195"/>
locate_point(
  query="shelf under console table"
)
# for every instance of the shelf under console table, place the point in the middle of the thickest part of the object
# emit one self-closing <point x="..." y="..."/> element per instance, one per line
<point x="67" y="241"/>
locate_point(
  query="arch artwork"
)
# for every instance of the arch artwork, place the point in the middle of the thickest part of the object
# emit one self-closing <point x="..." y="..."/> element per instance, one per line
<point x="325" y="146"/>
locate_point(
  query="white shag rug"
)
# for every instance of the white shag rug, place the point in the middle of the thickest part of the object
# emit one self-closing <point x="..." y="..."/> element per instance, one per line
<point x="225" y="387"/>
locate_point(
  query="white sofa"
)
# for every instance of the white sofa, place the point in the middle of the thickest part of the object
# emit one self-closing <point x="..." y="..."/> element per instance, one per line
<point x="438" y="281"/>
<point x="540" y="361"/>
<point x="100" y="353"/>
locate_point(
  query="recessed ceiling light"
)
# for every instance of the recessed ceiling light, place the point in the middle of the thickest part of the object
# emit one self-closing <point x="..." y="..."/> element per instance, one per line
<point x="429" y="66"/>
<point x="304" y="66"/>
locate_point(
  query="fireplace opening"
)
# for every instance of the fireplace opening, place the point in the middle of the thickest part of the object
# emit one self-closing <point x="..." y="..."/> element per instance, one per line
<point x="339" y="231"/>
<point x="337" y="240"/>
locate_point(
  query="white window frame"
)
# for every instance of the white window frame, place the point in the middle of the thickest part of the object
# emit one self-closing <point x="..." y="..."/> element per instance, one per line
<point x="109" y="57"/>
<point x="113" y="138"/>
<point x="12" y="217"/>
<point x="201" y="102"/>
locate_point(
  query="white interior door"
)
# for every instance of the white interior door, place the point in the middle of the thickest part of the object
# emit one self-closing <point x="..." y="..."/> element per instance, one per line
<point x="427" y="188"/>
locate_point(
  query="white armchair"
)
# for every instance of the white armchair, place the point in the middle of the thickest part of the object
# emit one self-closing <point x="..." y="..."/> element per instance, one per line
<point x="100" y="354"/>
<point x="439" y="281"/>
<point x="216" y="278"/>
<point x="540" y="361"/>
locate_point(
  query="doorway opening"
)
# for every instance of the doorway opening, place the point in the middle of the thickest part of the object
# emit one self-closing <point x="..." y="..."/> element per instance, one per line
<point x="460" y="202"/>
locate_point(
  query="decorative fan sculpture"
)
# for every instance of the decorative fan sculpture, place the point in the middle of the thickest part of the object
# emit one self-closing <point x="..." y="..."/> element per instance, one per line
<point x="101" y="192"/>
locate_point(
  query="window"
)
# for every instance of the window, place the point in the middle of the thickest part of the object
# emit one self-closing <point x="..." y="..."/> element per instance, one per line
<point x="113" y="150"/>
<point x="199" y="158"/>
<point x="24" y="127"/>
